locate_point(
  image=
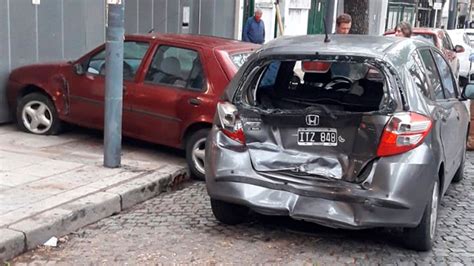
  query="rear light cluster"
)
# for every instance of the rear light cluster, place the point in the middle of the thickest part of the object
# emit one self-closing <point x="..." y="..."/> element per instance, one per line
<point x="230" y="123"/>
<point x="404" y="131"/>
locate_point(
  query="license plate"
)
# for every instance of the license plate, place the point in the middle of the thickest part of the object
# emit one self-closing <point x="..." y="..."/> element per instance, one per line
<point x="317" y="136"/>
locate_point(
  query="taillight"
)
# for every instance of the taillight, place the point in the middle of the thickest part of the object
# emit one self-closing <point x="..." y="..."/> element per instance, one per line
<point x="230" y="123"/>
<point x="404" y="131"/>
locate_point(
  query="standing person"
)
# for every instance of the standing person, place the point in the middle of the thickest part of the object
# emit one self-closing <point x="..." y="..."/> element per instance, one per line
<point x="403" y="29"/>
<point x="343" y="24"/>
<point x="254" y="30"/>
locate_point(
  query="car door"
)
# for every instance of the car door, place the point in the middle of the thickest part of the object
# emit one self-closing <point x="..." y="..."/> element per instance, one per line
<point x="87" y="90"/>
<point x="457" y="111"/>
<point x="172" y="88"/>
<point x="445" y="112"/>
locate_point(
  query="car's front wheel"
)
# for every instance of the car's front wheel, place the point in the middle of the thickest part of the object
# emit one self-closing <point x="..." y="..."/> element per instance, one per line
<point x="421" y="238"/>
<point x="37" y="114"/>
<point x="195" y="153"/>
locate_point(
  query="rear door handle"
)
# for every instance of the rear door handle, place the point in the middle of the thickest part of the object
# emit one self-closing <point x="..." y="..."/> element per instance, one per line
<point x="194" y="101"/>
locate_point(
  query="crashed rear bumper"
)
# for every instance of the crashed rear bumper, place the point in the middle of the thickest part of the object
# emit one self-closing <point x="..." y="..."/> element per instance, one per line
<point x="396" y="200"/>
<point x="332" y="213"/>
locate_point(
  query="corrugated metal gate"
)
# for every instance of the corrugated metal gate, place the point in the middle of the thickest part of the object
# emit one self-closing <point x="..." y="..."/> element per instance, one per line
<point x="54" y="30"/>
<point x="209" y="17"/>
<point x="66" y="29"/>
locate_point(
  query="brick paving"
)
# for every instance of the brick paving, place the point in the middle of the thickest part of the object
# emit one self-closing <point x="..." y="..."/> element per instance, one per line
<point x="178" y="227"/>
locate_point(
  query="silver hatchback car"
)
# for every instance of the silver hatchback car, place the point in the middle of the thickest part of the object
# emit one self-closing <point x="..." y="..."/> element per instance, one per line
<point x="358" y="132"/>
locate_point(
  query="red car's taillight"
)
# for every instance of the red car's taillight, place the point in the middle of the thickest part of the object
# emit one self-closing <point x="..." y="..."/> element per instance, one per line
<point x="404" y="131"/>
<point x="229" y="121"/>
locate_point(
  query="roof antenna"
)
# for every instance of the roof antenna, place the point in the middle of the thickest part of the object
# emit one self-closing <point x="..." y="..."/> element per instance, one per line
<point x="326" y="40"/>
<point x="151" y="31"/>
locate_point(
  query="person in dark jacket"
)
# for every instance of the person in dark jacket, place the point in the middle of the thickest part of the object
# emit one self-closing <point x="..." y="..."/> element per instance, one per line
<point x="343" y="24"/>
<point x="254" y="30"/>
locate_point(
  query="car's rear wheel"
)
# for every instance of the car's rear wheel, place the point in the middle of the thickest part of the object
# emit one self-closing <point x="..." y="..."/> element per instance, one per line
<point x="229" y="213"/>
<point x="195" y="153"/>
<point x="421" y="238"/>
<point x="37" y="114"/>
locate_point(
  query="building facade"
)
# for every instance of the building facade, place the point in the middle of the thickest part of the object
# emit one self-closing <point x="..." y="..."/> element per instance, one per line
<point x="66" y="29"/>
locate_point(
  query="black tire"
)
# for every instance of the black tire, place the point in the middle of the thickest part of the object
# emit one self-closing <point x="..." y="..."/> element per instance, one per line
<point x="420" y="237"/>
<point x="459" y="175"/>
<point x="228" y="213"/>
<point x="24" y="121"/>
<point x="196" y="138"/>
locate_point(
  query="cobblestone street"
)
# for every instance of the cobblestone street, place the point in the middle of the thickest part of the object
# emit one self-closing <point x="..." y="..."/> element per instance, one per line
<point x="178" y="227"/>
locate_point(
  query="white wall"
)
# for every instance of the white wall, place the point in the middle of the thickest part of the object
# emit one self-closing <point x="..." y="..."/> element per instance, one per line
<point x="377" y="16"/>
<point x="296" y="14"/>
<point x="268" y="17"/>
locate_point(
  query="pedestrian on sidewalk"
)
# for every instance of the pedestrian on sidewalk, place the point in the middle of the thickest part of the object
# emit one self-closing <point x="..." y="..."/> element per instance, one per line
<point x="254" y="30"/>
<point x="343" y="24"/>
<point x="403" y="29"/>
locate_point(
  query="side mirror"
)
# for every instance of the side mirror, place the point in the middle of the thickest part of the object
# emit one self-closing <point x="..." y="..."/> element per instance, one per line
<point x="79" y="69"/>
<point x="468" y="92"/>
<point x="459" y="49"/>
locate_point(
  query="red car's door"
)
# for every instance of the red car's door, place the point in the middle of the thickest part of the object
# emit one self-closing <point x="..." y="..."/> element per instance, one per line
<point x="173" y="86"/>
<point x="87" y="91"/>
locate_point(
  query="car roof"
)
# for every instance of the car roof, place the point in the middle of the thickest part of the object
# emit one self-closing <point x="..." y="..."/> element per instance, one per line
<point x="355" y="45"/>
<point x="211" y="42"/>
<point x="433" y="31"/>
<point x="427" y="30"/>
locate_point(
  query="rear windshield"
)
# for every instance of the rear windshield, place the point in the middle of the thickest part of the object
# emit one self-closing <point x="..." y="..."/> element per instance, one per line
<point x="238" y="59"/>
<point x="424" y="37"/>
<point x="340" y="86"/>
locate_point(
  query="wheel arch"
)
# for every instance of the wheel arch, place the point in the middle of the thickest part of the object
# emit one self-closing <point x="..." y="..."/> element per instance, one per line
<point x="31" y="88"/>
<point x="27" y="89"/>
<point x="193" y="128"/>
<point x="441" y="178"/>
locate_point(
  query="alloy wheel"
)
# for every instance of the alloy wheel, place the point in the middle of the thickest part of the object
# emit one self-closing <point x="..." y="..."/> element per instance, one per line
<point x="198" y="154"/>
<point x="434" y="210"/>
<point x="37" y="117"/>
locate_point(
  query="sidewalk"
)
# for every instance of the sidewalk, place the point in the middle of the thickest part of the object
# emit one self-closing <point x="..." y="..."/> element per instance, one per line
<point x="53" y="185"/>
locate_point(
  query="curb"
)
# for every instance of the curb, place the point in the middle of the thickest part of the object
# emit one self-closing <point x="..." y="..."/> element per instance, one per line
<point x="64" y="219"/>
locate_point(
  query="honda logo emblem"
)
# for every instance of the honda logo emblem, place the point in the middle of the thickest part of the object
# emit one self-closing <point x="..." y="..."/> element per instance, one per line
<point x="312" y="120"/>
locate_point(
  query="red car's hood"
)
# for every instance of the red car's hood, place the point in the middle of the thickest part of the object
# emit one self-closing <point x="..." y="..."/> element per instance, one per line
<point x="36" y="71"/>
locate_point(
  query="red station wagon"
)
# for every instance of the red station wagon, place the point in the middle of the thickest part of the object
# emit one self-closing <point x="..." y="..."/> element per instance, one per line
<point x="172" y="83"/>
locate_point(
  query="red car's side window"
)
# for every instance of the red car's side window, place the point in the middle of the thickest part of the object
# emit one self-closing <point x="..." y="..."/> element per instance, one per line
<point x="132" y="58"/>
<point x="177" y="67"/>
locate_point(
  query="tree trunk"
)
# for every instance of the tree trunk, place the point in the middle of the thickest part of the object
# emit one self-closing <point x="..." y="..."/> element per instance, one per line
<point x="359" y="11"/>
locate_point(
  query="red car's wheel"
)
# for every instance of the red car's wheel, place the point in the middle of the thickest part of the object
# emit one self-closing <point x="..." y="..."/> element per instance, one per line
<point x="195" y="153"/>
<point x="36" y="114"/>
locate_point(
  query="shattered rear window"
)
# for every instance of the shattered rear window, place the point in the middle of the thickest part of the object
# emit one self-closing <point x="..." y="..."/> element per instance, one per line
<point x="338" y="85"/>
